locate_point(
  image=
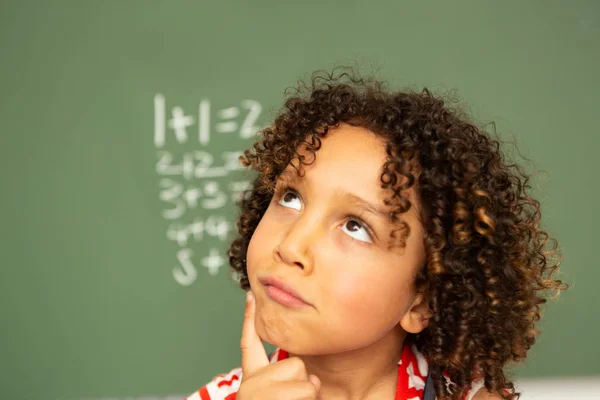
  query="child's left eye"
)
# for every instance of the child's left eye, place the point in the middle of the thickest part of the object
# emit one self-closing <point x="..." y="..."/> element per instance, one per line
<point x="357" y="231"/>
<point x="291" y="200"/>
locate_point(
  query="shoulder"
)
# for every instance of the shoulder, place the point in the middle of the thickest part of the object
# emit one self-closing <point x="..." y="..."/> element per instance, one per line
<point x="483" y="394"/>
<point x="222" y="387"/>
<point x="479" y="392"/>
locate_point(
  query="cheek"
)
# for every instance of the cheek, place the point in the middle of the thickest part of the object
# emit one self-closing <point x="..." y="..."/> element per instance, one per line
<point x="363" y="299"/>
<point x="261" y="246"/>
<point x="255" y="251"/>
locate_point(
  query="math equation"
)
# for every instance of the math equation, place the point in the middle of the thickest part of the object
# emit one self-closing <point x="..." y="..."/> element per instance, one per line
<point x="191" y="184"/>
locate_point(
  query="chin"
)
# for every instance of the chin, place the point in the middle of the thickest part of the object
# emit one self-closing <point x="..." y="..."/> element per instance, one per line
<point x="274" y="332"/>
<point x="284" y="337"/>
<point x="296" y="343"/>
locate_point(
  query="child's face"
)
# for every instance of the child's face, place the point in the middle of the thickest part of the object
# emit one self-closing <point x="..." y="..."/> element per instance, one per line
<point x="359" y="288"/>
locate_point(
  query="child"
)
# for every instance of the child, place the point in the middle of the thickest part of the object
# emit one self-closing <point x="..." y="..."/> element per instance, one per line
<point x="387" y="244"/>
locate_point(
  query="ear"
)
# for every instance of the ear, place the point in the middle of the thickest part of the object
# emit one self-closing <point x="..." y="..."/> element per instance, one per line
<point x="417" y="317"/>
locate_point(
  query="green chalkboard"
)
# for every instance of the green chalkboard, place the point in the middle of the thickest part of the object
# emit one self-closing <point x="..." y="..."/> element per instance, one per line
<point x="120" y="121"/>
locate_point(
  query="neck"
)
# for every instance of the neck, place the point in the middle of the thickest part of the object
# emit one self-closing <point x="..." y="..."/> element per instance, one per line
<point x="366" y="373"/>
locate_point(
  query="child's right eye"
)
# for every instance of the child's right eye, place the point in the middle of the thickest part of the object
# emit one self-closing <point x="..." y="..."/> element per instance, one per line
<point x="290" y="199"/>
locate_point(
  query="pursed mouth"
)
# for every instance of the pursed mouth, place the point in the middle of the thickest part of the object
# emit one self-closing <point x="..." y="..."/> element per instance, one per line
<point x="282" y="292"/>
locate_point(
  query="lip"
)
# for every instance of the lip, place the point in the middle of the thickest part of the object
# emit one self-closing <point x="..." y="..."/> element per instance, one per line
<point x="283" y="293"/>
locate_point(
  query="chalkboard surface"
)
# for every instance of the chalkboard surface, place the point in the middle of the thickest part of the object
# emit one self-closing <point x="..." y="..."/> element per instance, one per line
<point x="121" y="124"/>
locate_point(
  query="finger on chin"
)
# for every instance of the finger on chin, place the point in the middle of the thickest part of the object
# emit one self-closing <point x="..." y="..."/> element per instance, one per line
<point x="254" y="356"/>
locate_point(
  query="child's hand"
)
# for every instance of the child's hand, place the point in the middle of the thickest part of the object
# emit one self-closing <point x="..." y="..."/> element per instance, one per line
<point x="286" y="379"/>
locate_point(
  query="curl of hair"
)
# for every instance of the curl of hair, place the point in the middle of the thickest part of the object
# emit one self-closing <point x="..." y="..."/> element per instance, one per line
<point x="489" y="265"/>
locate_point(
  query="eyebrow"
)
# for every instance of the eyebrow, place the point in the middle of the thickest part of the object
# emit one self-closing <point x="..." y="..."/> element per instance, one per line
<point x="290" y="177"/>
<point x="371" y="208"/>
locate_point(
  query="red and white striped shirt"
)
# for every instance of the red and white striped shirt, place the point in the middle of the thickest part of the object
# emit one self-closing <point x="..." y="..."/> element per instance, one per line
<point x="412" y="373"/>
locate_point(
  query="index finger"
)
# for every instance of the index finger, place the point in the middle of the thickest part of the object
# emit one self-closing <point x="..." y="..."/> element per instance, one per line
<point x="254" y="356"/>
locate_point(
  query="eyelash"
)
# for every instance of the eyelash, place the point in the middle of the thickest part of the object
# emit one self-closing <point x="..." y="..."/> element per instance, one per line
<point x="281" y="191"/>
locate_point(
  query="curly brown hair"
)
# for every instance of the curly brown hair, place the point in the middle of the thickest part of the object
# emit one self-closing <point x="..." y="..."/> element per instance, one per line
<point x="489" y="265"/>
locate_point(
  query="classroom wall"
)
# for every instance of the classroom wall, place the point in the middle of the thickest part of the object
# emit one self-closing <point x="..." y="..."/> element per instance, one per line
<point x="120" y="126"/>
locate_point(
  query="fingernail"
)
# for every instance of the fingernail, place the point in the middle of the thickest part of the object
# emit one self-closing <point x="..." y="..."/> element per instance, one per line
<point x="249" y="297"/>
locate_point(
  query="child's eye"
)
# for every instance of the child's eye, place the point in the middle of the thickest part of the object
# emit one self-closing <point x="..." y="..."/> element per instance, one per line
<point x="291" y="200"/>
<point x="357" y="231"/>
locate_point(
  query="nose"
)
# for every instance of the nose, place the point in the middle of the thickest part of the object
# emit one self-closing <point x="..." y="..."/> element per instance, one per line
<point x="295" y="248"/>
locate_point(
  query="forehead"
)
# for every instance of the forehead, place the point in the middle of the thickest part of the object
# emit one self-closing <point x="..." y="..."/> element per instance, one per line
<point x="348" y="155"/>
<point x="349" y="165"/>
<point x="350" y="160"/>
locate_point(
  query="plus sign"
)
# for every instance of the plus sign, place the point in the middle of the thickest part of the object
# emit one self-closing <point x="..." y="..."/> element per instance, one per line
<point x="213" y="262"/>
<point x="191" y="196"/>
<point x="179" y="122"/>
